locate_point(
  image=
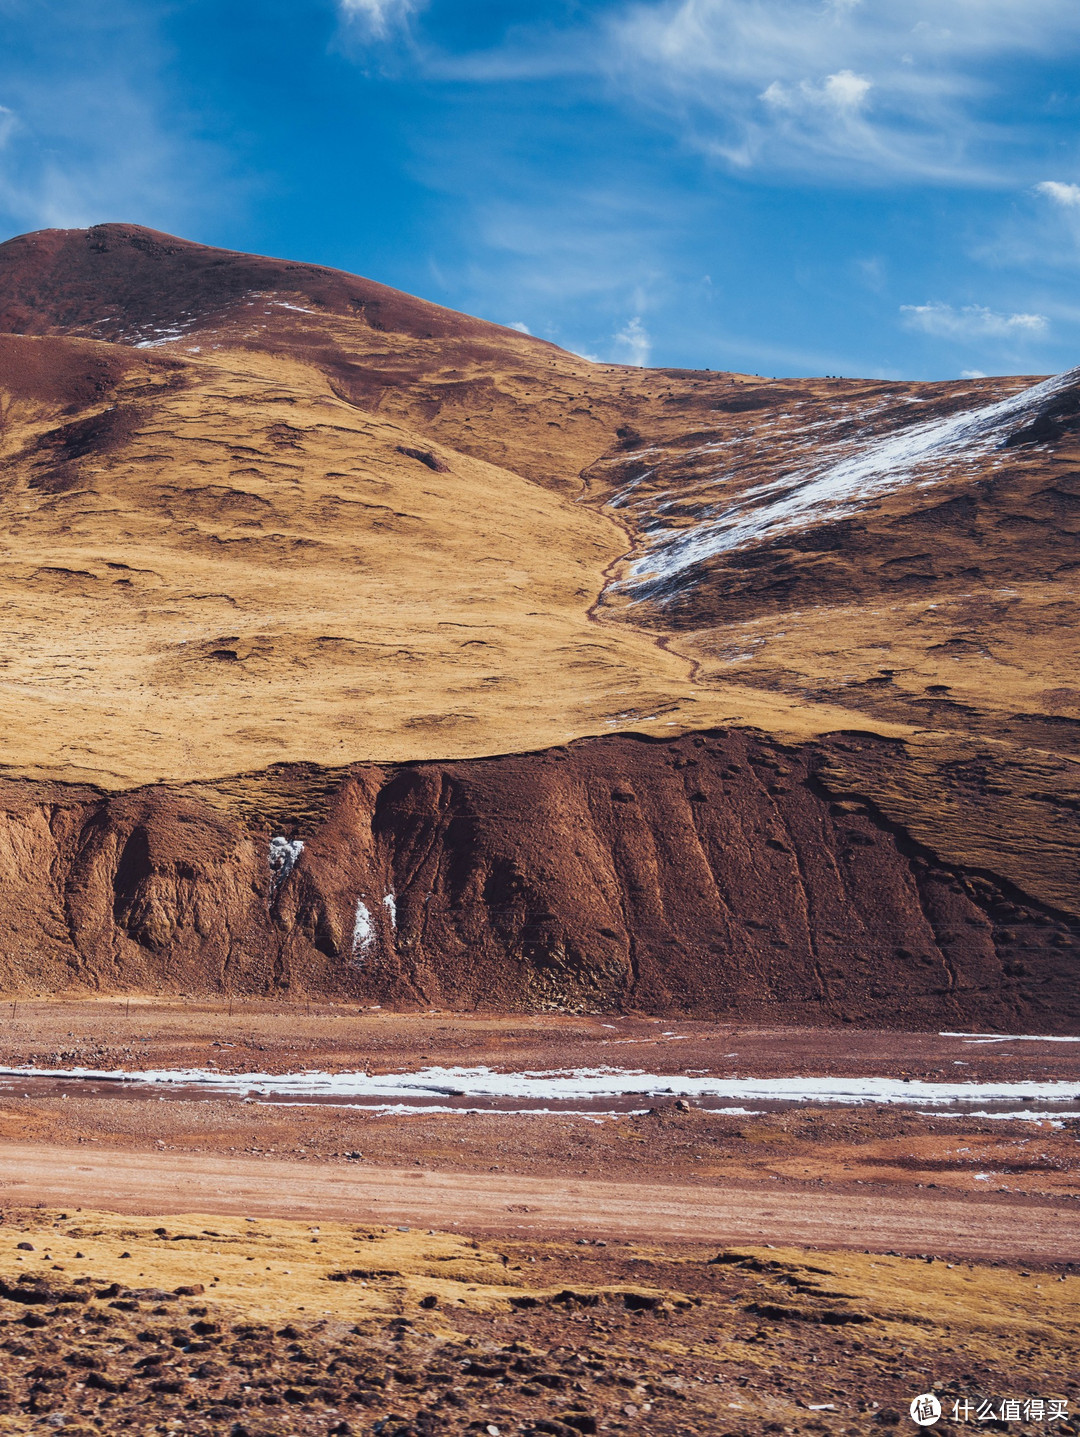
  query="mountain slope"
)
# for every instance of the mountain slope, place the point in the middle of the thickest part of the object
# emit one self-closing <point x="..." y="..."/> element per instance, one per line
<point x="271" y="531"/>
<point x="208" y="570"/>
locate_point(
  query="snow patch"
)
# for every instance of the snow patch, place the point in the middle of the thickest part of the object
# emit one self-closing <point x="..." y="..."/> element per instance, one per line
<point x="284" y="854"/>
<point x="592" y="1116"/>
<point x="363" y="933"/>
<point x="579" y="1084"/>
<point x="390" y="904"/>
<point x="160" y="336"/>
<point x="1025" y="1115"/>
<point x="833" y="490"/>
<point x="1008" y="1038"/>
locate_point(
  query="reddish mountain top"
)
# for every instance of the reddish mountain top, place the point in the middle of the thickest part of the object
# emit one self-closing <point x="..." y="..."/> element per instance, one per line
<point x="122" y="282"/>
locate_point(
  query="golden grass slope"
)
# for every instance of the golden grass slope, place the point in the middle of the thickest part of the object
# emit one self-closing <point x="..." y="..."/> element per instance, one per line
<point x="219" y="554"/>
<point x="214" y="563"/>
<point x="245" y="569"/>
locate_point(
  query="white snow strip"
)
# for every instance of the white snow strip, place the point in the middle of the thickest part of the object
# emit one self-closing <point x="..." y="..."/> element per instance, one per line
<point x="164" y="338"/>
<point x="1009" y="1038"/>
<point x="363" y="933"/>
<point x="829" y="492"/>
<point x="403" y="1109"/>
<point x="1024" y="1115"/>
<point x="390" y="904"/>
<point x="577" y="1084"/>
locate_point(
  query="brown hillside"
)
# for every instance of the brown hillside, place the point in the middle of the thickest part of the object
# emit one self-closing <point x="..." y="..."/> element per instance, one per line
<point x="273" y="530"/>
<point x="710" y="873"/>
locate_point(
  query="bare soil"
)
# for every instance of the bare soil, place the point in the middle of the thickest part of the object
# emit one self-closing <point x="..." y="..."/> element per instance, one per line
<point x="808" y="1161"/>
<point x="286" y="1271"/>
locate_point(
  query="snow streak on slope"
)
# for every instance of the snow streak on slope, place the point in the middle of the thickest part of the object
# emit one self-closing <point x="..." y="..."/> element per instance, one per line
<point x="832" y="490"/>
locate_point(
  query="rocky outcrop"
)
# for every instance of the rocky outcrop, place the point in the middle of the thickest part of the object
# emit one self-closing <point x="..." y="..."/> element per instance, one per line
<point x="712" y="874"/>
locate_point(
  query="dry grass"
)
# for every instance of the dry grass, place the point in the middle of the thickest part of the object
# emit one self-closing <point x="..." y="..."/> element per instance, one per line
<point x="638" y="1338"/>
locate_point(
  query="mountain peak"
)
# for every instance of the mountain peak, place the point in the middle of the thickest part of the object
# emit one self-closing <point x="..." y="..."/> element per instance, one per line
<point x="120" y="282"/>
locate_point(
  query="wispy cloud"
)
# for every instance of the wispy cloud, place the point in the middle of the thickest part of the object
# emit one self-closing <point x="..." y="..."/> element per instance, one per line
<point x="865" y="89"/>
<point x="569" y="158"/>
<point x="573" y="257"/>
<point x="632" y="343"/>
<point x="91" y="132"/>
<point x="876" y="86"/>
<point x="1036" y="235"/>
<point x="972" y="321"/>
<point x="380" y="18"/>
<point x="1068" y="196"/>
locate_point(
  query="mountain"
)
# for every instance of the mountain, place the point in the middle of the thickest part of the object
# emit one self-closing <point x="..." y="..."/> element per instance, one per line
<point x="542" y="683"/>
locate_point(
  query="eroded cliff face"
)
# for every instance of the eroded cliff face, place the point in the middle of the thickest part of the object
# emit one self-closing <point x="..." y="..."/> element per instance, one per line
<point x="716" y="873"/>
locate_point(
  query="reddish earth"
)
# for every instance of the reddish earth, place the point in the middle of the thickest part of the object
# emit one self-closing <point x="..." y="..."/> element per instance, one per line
<point x="715" y="873"/>
<point x="531" y="1206"/>
<point x="254" y="1034"/>
<point x="961" y="1173"/>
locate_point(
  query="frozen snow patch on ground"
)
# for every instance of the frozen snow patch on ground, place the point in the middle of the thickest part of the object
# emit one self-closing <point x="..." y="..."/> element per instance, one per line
<point x="832" y="490"/>
<point x="592" y="1115"/>
<point x="161" y="336"/>
<point x="390" y="904"/>
<point x="363" y="933"/>
<point x="1008" y="1038"/>
<point x="1026" y="1115"/>
<point x="284" y="853"/>
<point x="579" y="1084"/>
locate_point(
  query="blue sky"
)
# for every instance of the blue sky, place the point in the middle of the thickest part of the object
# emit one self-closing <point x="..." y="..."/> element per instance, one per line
<point x="879" y="187"/>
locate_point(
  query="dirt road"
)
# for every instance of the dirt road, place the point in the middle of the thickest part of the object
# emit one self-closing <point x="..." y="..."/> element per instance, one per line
<point x="153" y="1183"/>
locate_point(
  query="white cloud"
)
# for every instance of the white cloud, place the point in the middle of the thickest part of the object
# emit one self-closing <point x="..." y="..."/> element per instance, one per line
<point x="883" y="88"/>
<point x="520" y="326"/>
<point x="843" y="91"/>
<point x="633" y="343"/>
<point x="972" y="374"/>
<point x="379" y="17"/>
<point x="972" y="321"/>
<point x="1062" y="194"/>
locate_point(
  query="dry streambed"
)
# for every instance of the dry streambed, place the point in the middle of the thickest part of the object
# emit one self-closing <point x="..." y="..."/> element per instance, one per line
<point x="199" y="1324"/>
